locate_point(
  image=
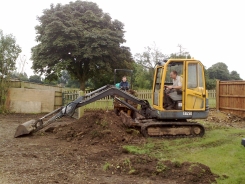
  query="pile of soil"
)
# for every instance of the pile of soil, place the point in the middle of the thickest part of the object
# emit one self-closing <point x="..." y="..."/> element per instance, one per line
<point x="225" y="119"/>
<point x="98" y="127"/>
<point x="144" y="166"/>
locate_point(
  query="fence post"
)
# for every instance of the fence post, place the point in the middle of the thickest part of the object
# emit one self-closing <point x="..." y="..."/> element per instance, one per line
<point x="81" y="109"/>
<point x="217" y="95"/>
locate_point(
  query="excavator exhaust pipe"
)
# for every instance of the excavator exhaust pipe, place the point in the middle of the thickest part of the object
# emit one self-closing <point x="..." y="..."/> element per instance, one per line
<point x="25" y="128"/>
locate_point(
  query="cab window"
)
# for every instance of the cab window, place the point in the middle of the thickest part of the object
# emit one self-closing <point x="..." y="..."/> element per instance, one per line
<point x="178" y="67"/>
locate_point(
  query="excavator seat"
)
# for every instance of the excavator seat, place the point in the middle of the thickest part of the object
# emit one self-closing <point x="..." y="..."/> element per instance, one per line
<point x="177" y="98"/>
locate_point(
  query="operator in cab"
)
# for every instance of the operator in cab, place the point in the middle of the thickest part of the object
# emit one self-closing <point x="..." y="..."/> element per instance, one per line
<point x="177" y="86"/>
<point x="124" y="84"/>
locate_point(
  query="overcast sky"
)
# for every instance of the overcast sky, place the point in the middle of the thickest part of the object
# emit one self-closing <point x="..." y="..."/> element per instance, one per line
<point x="211" y="31"/>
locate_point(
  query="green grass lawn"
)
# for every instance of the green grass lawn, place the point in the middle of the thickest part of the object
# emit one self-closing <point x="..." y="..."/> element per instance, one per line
<point x="212" y="102"/>
<point x="220" y="149"/>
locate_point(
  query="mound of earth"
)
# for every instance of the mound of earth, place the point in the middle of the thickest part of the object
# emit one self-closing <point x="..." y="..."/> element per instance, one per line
<point x="225" y="119"/>
<point x="98" y="127"/>
<point x="145" y="166"/>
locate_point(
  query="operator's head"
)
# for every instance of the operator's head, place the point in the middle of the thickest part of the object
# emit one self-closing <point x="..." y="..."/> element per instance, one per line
<point x="173" y="74"/>
<point x="124" y="78"/>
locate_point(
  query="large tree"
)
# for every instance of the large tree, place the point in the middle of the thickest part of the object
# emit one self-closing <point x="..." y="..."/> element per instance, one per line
<point x="210" y="83"/>
<point x="9" y="52"/>
<point x="219" y="71"/>
<point x="150" y="57"/>
<point x="235" y="76"/>
<point x="142" y="79"/>
<point x="80" y="38"/>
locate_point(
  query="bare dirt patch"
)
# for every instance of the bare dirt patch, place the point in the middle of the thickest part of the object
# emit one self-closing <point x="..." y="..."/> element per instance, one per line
<point x="225" y="119"/>
<point x="88" y="150"/>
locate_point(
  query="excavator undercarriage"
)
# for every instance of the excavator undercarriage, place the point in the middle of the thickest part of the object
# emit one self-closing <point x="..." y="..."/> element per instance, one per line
<point x="163" y="128"/>
<point x="145" y="118"/>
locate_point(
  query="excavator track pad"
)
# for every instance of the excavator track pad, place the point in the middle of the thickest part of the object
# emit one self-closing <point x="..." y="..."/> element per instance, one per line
<point x="172" y="129"/>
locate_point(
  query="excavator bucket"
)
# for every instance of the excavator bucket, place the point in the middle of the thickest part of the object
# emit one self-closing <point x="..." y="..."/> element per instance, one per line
<point x="35" y="125"/>
<point x="25" y="128"/>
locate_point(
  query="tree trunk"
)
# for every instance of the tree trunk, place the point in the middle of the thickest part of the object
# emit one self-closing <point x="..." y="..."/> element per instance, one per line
<point x="82" y="85"/>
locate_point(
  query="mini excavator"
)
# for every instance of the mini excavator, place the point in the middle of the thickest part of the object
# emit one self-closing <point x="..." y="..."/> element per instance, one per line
<point x="152" y="120"/>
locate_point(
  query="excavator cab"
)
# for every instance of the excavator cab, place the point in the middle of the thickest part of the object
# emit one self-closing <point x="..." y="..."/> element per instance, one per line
<point x="192" y="97"/>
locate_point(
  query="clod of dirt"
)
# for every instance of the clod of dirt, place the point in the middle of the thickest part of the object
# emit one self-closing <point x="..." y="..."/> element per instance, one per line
<point x="153" y="168"/>
<point x="97" y="127"/>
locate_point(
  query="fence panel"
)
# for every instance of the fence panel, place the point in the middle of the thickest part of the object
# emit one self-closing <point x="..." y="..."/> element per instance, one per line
<point x="104" y="103"/>
<point x="231" y="97"/>
<point x="144" y="94"/>
<point x="69" y="96"/>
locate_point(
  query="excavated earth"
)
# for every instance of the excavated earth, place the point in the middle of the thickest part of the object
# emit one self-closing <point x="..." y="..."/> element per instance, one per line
<point x="220" y="118"/>
<point x="88" y="150"/>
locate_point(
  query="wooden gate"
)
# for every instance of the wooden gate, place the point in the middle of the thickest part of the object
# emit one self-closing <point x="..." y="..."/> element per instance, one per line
<point x="230" y="97"/>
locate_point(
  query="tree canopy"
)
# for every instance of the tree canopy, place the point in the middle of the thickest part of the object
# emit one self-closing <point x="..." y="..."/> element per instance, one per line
<point x="9" y="52"/>
<point x="35" y="79"/>
<point x="80" y="38"/>
<point x="150" y="57"/>
<point x="145" y="64"/>
<point x="182" y="54"/>
<point x="220" y="71"/>
<point x="234" y="75"/>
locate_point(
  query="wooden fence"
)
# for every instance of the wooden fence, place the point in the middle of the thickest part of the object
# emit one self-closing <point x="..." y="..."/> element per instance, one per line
<point x="66" y="95"/>
<point x="230" y="97"/>
<point x="107" y="102"/>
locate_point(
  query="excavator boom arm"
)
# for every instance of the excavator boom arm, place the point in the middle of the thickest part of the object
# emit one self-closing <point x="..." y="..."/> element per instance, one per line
<point x="68" y="110"/>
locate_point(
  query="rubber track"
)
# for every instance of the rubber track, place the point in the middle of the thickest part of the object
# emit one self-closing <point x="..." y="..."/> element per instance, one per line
<point x="170" y="124"/>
